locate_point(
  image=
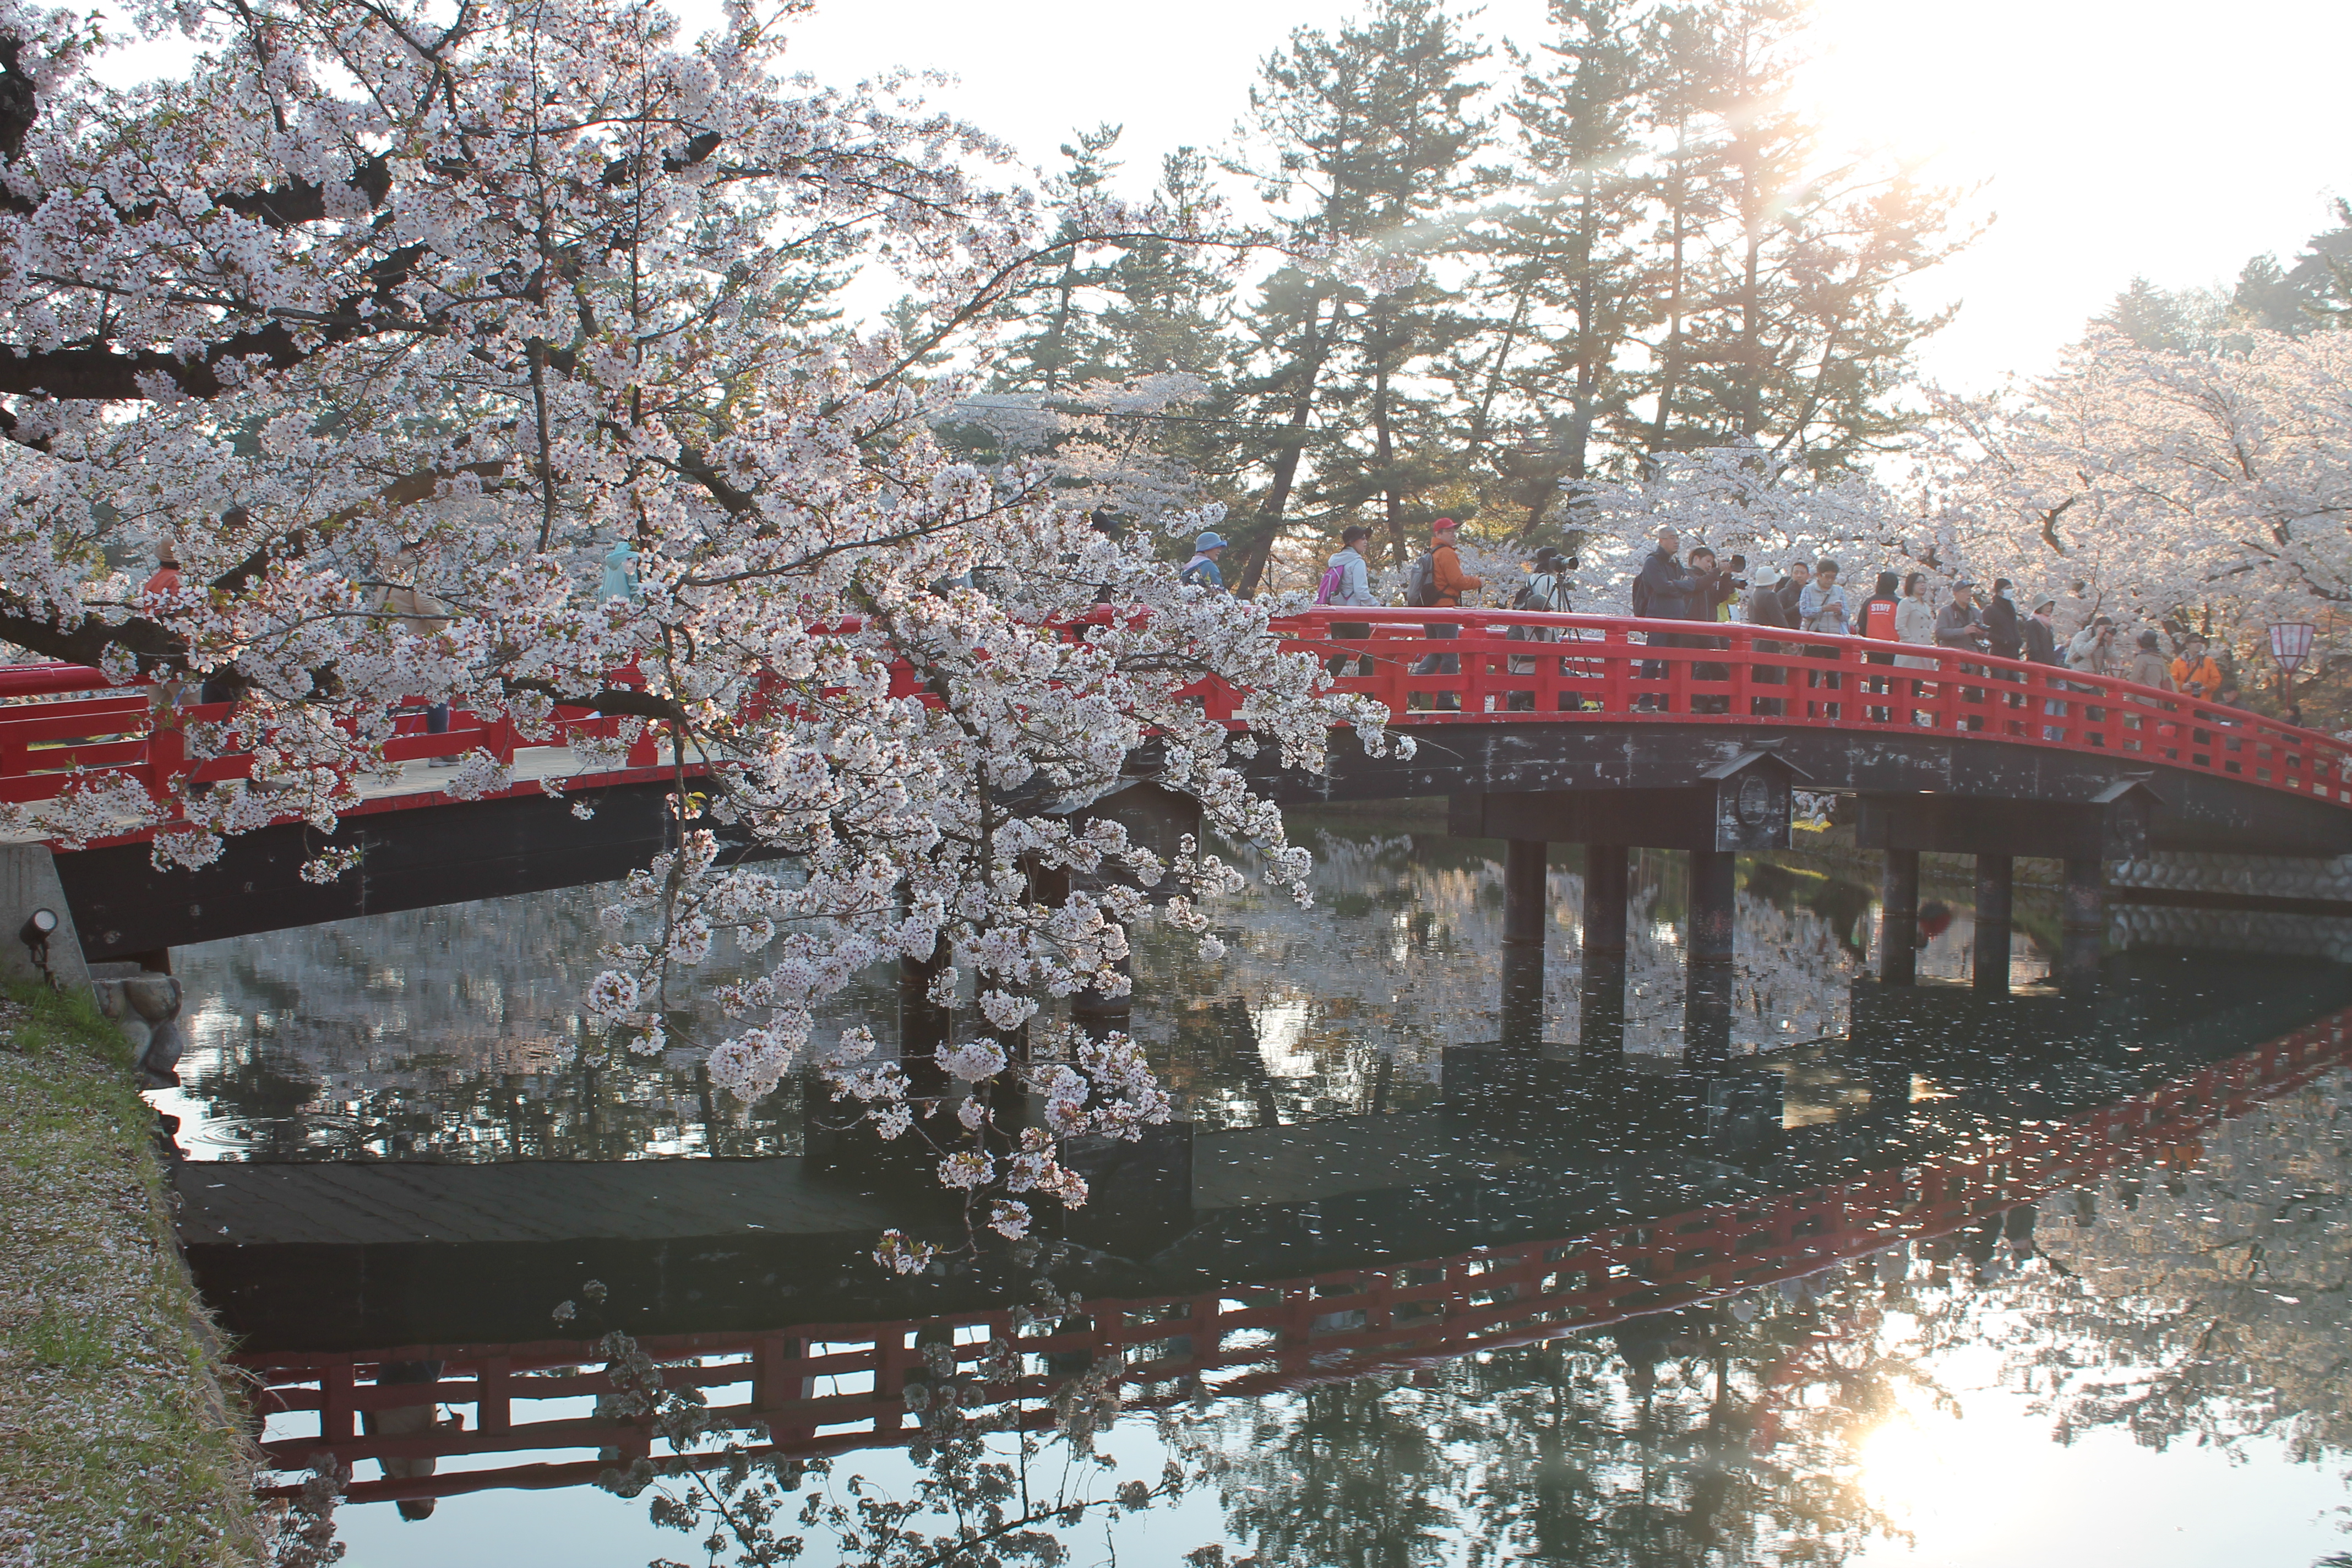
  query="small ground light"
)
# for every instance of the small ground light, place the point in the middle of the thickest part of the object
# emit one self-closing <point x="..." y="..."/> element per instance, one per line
<point x="38" y="927"/>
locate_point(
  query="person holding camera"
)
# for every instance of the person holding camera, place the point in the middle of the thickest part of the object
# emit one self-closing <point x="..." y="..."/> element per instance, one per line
<point x="2093" y="650"/>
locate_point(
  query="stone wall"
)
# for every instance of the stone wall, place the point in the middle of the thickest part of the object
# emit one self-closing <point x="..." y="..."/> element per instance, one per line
<point x="2269" y="875"/>
<point x="2231" y="931"/>
<point x="146" y="1007"/>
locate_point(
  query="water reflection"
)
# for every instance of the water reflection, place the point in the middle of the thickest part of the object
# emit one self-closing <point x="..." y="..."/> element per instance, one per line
<point x="455" y="1033"/>
<point x="1408" y="1298"/>
<point x="2184" y="1296"/>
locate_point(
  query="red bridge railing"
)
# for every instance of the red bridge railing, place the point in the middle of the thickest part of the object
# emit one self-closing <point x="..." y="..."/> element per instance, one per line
<point x="1608" y="670"/>
<point x="58" y="722"/>
<point x="831" y="1387"/>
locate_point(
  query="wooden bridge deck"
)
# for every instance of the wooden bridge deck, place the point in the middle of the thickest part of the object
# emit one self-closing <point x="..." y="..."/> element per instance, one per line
<point x="522" y="1201"/>
<point x="394" y="1203"/>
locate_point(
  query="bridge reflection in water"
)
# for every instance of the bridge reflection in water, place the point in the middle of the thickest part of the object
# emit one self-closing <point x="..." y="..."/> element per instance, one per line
<point x="1547" y="1194"/>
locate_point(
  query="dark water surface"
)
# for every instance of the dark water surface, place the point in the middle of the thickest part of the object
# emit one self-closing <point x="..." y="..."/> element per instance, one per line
<point x="1912" y="1277"/>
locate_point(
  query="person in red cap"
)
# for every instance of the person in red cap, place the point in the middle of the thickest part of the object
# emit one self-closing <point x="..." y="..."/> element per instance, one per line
<point x="1451" y="581"/>
<point x="1448" y="583"/>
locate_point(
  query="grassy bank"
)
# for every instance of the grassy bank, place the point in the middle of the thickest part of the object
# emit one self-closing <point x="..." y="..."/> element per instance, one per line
<point x="115" y="1446"/>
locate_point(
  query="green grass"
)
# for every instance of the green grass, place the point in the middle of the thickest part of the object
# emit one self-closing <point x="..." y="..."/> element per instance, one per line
<point x="116" y="1446"/>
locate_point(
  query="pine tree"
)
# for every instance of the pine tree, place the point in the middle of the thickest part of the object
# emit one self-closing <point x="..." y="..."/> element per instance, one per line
<point x="1373" y="134"/>
<point x="1564" y="289"/>
<point x="1796" y="338"/>
<point x="1681" y="42"/>
<point x="2156" y="318"/>
<point x="1057" y="345"/>
<point x="2263" y="298"/>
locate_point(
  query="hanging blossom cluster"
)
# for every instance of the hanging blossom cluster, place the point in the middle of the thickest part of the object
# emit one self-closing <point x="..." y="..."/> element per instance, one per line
<point x="486" y="355"/>
<point x="1082" y="1084"/>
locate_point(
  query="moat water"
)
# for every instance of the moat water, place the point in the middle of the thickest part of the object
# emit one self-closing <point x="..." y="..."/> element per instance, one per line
<point x="2138" y="1355"/>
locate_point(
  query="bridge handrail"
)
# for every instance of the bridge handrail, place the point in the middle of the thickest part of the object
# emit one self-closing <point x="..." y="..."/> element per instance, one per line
<point x="1617" y="668"/>
<point x="1496" y="666"/>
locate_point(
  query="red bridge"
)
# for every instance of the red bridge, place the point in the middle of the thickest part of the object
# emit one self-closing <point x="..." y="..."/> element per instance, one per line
<point x="1605" y="732"/>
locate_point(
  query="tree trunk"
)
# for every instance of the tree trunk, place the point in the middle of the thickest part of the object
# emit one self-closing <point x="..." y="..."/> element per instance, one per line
<point x="1309" y="371"/>
<point x="1670" y="358"/>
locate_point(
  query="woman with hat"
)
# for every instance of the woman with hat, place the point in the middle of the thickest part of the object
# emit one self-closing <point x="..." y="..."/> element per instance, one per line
<point x="1201" y="570"/>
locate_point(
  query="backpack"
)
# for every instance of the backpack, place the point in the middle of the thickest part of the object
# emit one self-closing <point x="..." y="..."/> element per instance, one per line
<point x="1642" y="597"/>
<point x="1328" y="589"/>
<point x="1421" y="583"/>
<point x="1197" y="573"/>
<point x="1531" y="598"/>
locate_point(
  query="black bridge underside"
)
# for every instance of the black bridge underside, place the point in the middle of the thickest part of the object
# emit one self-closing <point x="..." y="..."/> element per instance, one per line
<point x="2198" y="810"/>
<point x="419" y="856"/>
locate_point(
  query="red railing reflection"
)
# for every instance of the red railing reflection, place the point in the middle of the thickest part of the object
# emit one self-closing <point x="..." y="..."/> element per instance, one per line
<point x="1243" y="1340"/>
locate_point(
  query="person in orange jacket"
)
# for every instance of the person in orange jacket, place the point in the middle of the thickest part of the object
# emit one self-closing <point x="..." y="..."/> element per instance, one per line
<point x="2195" y="671"/>
<point x="1450" y="583"/>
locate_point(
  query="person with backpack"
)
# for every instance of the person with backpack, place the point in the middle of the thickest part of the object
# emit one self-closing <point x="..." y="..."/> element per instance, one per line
<point x="1662" y="590"/>
<point x="1544" y="593"/>
<point x="1348" y="583"/>
<point x="1437" y="580"/>
<point x="1201" y="570"/>
<point x="1347" y="580"/>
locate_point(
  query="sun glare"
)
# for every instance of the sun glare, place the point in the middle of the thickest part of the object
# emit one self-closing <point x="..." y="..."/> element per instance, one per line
<point x="1899" y="77"/>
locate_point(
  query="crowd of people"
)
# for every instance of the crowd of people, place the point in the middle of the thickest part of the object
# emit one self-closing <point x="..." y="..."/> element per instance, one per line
<point x="2066" y="630"/>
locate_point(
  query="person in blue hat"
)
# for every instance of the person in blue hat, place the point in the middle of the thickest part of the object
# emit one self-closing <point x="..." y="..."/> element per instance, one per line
<point x="620" y="574"/>
<point x="1203" y="568"/>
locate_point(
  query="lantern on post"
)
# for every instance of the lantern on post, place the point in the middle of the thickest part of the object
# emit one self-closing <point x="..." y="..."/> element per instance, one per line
<point x="2290" y="647"/>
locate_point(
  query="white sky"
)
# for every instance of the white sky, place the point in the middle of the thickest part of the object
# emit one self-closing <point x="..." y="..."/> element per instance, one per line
<point x="2107" y="137"/>
<point x="2111" y="137"/>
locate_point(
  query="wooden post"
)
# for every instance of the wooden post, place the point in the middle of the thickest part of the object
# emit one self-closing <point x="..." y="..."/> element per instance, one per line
<point x="1898" y="917"/>
<point x="1523" y="944"/>
<point x="1707" y="970"/>
<point x="1604" y="899"/>
<point x="1995" y="875"/>
<point x="2083" y="927"/>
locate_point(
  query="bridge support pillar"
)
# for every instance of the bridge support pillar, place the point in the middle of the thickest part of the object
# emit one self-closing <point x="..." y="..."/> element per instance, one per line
<point x="1600" y="1023"/>
<point x="1706" y="988"/>
<point x="2082" y="925"/>
<point x="1523" y="944"/>
<point x="1995" y="889"/>
<point x="1898" y="917"/>
<point x="1604" y="902"/>
<point x="923" y="1024"/>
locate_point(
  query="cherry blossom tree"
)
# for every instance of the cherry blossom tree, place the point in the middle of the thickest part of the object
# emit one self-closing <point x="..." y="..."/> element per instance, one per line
<point x="1737" y="499"/>
<point x="381" y="295"/>
<point x="2217" y="481"/>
